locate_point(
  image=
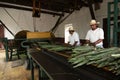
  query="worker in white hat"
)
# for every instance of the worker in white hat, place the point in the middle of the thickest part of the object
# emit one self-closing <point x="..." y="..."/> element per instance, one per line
<point x="73" y="39"/>
<point x="95" y="35"/>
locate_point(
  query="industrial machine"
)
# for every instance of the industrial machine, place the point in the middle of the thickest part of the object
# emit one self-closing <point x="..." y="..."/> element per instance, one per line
<point x="85" y="72"/>
<point x="53" y="62"/>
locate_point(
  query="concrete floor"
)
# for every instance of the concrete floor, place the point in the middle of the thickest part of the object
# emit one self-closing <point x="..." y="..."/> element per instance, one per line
<point x="16" y="73"/>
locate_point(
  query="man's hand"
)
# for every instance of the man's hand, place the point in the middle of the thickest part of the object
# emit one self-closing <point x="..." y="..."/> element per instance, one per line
<point x="66" y="45"/>
<point x="92" y="44"/>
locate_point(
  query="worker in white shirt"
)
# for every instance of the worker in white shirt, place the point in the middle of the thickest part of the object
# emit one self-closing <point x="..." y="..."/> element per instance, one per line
<point x="95" y="35"/>
<point x="73" y="39"/>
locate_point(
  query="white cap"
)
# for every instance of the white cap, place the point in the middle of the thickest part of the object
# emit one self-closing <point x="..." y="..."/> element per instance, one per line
<point x="71" y="28"/>
<point x="94" y="22"/>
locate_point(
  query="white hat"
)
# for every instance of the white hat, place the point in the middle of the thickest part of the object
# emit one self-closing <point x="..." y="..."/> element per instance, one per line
<point x="94" y="22"/>
<point x="71" y="28"/>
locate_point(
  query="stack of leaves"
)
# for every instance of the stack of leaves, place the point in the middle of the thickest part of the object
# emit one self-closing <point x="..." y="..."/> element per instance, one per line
<point x="87" y="55"/>
<point x="56" y="47"/>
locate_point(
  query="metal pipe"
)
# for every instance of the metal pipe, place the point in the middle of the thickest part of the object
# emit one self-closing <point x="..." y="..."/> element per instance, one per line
<point x="91" y="9"/>
<point x="56" y="25"/>
<point x="6" y="27"/>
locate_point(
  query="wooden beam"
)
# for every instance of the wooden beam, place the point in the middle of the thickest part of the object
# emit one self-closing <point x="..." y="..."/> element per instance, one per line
<point x="91" y="9"/>
<point x="37" y="35"/>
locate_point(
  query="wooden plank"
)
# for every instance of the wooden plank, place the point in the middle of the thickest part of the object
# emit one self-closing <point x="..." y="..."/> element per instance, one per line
<point x="34" y="35"/>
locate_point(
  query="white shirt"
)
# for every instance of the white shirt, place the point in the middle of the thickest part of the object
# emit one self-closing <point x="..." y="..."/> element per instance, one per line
<point x="74" y="37"/>
<point x="94" y="35"/>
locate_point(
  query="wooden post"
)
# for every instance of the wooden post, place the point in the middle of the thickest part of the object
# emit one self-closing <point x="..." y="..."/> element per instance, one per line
<point x="36" y="8"/>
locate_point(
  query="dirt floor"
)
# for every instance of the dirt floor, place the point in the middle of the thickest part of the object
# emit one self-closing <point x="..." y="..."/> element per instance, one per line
<point x="7" y="72"/>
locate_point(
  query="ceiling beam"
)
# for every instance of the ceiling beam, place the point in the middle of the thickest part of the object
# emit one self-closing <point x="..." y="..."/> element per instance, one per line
<point x="27" y="8"/>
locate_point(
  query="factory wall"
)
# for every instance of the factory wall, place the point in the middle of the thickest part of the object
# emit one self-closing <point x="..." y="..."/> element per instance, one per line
<point x="17" y="20"/>
<point x="80" y="19"/>
<point x="102" y="13"/>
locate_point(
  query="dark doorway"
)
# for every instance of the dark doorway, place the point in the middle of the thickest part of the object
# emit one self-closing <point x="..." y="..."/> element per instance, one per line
<point x="105" y="42"/>
<point x="1" y="35"/>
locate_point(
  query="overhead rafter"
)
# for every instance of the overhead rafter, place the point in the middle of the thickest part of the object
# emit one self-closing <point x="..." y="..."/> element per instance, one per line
<point x="28" y="8"/>
<point x="55" y="6"/>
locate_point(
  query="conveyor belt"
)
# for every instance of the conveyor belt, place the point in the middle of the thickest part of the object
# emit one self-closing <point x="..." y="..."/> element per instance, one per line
<point x="86" y="72"/>
<point x="54" y="69"/>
